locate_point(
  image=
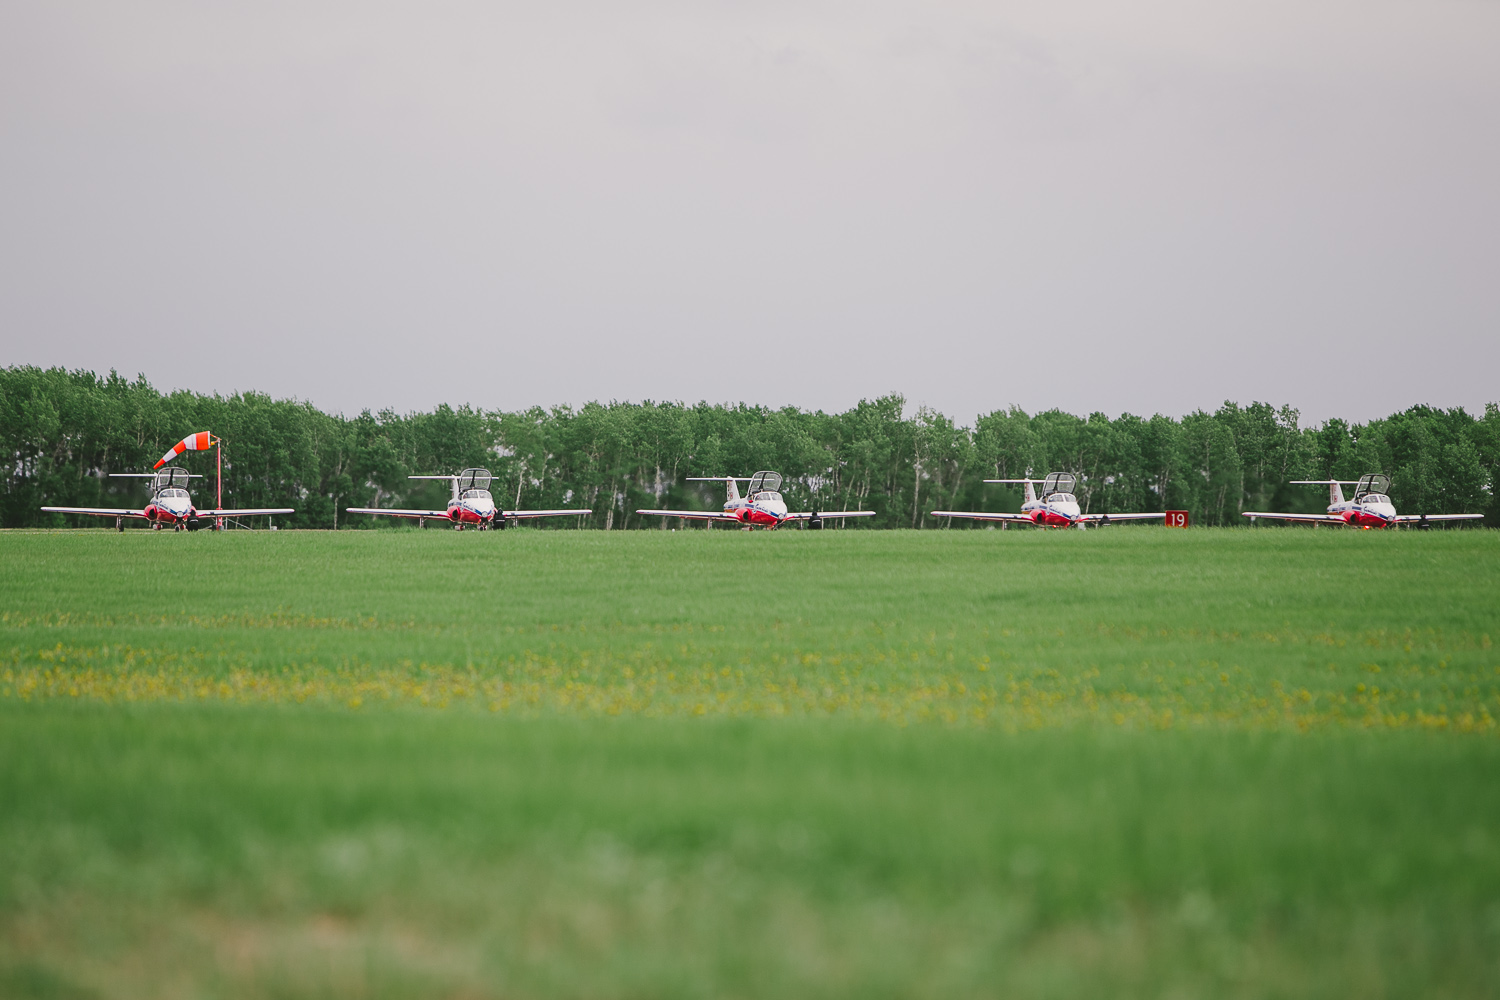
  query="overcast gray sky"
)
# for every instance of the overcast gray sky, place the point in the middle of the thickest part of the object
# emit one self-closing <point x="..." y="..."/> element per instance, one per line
<point x="1148" y="206"/>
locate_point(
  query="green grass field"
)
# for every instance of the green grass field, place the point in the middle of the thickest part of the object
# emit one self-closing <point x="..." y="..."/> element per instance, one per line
<point x="1130" y="762"/>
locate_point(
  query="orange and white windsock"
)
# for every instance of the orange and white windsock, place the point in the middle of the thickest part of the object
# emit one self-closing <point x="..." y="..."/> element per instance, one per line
<point x="202" y="441"/>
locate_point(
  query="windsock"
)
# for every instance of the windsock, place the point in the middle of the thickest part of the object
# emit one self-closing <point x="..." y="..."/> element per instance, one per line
<point x="202" y="441"/>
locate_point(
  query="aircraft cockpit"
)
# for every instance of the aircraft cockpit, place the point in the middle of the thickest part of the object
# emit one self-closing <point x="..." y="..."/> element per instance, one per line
<point x="1374" y="498"/>
<point x="1370" y="485"/>
<point x="765" y="482"/>
<point x="475" y="495"/>
<point x="168" y="480"/>
<point x="474" y="479"/>
<point x="172" y="492"/>
<point x="1060" y="483"/>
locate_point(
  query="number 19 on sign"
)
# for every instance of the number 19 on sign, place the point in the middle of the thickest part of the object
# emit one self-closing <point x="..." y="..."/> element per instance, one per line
<point x="1177" y="519"/>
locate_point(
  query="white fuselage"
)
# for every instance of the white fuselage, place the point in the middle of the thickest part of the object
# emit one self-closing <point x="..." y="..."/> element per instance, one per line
<point x="766" y="508"/>
<point x="474" y="507"/>
<point x="1370" y="512"/>
<point x="170" y="506"/>
<point x="176" y="506"/>
<point x="1059" y="510"/>
<point x="1062" y="508"/>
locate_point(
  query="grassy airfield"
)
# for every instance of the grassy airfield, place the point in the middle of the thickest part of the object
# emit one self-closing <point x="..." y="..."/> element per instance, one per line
<point x="1129" y="762"/>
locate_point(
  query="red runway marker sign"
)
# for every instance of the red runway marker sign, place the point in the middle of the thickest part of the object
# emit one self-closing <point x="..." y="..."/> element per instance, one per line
<point x="1177" y="519"/>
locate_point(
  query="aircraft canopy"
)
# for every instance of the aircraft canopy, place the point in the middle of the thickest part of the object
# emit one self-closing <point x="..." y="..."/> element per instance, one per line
<point x="764" y="482"/>
<point x="169" y="478"/>
<point x="1058" y="482"/>
<point x="474" y="479"/>
<point x="1372" y="483"/>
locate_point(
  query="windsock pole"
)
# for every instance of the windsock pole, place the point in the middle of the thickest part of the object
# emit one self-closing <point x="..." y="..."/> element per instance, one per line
<point x="219" y="498"/>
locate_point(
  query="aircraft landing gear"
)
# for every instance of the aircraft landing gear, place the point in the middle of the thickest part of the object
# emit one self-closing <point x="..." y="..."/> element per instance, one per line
<point x="119" y="524"/>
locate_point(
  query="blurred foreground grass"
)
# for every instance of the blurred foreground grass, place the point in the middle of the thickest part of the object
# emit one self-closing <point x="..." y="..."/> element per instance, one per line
<point x="209" y="851"/>
<point x="1124" y="763"/>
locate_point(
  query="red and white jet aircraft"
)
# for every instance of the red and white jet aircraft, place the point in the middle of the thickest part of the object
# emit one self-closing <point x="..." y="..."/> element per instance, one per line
<point x="471" y="505"/>
<point x="1370" y="508"/>
<point x="170" y="504"/>
<point x="1057" y="507"/>
<point x="762" y="506"/>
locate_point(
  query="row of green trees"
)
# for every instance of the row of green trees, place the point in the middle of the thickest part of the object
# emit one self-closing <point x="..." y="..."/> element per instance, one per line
<point x="65" y="431"/>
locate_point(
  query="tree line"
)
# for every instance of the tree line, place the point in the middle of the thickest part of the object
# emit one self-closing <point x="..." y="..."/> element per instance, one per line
<point x="65" y="431"/>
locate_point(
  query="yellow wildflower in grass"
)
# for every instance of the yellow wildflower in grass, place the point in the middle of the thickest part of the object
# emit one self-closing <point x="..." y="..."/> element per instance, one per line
<point x="636" y="677"/>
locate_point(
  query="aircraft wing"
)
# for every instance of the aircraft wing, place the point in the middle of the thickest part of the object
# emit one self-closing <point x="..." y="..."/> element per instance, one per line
<point x="808" y="516"/>
<point x="541" y="513"/>
<point x="1417" y="518"/>
<point x="397" y="512"/>
<point x="246" y="512"/>
<point x="982" y="516"/>
<point x="693" y="515"/>
<point x="97" y="511"/>
<point x="1111" y="518"/>
<point x="1299" y="518"/>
